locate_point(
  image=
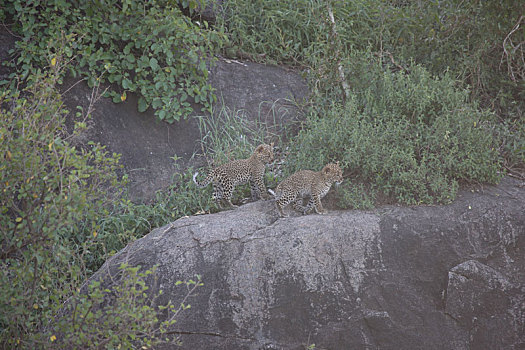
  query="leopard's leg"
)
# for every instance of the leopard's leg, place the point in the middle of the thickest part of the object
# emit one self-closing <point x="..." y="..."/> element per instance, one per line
<point x="298" y="205"/>
<point x="254" y="191"/>
<point x="316" y="201"/>
<point x="259" y="185"/>
<point x="280" y="208"/>
<point x="282" y="202"/>
<point x="217" y="194"/>
<point x="308" y="206"/>
<point x="227" y="196"/>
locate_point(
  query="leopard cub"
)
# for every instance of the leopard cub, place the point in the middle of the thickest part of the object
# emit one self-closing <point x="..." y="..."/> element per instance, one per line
<point x="231" y="174"/>
<point x="315" y="184"/>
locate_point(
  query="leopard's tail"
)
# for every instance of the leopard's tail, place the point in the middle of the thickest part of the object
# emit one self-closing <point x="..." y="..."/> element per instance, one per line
<point x="204" y="182"/>
<point x="275" y="195"/>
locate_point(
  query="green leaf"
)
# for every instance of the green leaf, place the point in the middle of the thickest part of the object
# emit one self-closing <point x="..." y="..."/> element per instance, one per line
<point x="142" y="104"/>
<point x="126" y="84"/>
<point x="154" y="64"/>
<point x="116" y="98"/>
<point x="130" y="58"/>
<point x="202" y="66"/>
<point x="127" y="48"/>
<point x="157" y="102"/>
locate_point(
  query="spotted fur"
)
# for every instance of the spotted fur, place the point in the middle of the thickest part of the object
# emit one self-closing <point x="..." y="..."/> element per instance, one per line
<point x="231" y="174"/>
<point x="315" y="184"/>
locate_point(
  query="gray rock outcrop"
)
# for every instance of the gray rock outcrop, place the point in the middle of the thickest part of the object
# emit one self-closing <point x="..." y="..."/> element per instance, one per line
<point x="146" y="144"/>
<point x="429" y="277"/>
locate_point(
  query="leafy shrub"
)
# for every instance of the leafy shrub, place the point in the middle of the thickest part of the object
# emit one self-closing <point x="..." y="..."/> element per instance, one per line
<point x="146" y="47"/>
<point x="59" y="221"/>
<point x="477" y="40"/>
<point x="512" y="144"/>
<point x="478" y="43"/>
<point x="49" y="188"/>
<point x="129" y="321"/>
<point x="411" y="136"/>
<point x="355" y="196"/>
<point x="301" y="32"/>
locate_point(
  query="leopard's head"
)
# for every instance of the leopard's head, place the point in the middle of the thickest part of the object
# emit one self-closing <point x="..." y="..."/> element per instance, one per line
<point x="264" y="153"/>
<point x="332" y="172"/>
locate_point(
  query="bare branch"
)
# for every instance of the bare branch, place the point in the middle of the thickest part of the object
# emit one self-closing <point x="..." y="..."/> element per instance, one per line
<point x="505" y="55"/>
<point x="344" y="83"/>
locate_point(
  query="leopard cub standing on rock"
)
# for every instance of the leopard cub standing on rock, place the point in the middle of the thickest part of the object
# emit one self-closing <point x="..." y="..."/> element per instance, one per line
<point x="231" y="174"/>
<point x="316" y="184"/>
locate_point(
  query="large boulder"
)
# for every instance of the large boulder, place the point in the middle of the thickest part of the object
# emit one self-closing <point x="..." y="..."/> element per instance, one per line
<point x="147" y="145"/>
<point x="429" y="277"/>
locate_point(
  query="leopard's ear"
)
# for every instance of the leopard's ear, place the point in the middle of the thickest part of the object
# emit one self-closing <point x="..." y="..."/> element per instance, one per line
<point x="271" y="145"/>
<point x="326" y="169"/>
<point x="259" y="148"/>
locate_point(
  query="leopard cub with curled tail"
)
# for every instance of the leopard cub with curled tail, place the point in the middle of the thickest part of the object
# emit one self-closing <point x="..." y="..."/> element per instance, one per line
<point x="225" y="177"/>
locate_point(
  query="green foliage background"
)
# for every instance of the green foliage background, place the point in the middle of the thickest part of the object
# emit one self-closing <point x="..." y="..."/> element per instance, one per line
<point x="472" y="39"/>
<point x="415" y="97"/>
<point x="147" y="47"/>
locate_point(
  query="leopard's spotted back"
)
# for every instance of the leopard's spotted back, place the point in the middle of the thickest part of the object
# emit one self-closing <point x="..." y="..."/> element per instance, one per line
<point x="315" y="184"/>
<point x="231" y="174"/>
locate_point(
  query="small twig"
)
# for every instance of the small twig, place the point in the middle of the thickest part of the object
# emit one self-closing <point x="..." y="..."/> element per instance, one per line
<point x="515" y="174"/>
<point x="72" y="86"/>
<point x="344" y="83"/>
<point x="389" y="54"/>
<point x="505" y="52"/>
<point x="10" y="32"/>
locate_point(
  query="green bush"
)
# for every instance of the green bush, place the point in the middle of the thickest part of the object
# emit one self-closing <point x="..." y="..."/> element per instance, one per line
<point x="145" y="47"/>
<point x="475" y="47"/>
<point x="129" y="321"/>
<point x="59" y="220"/>
<point x="412" y="136"/>
<point x="511" y="135"/>
<point x="355" y="196"/>
<point x="50" y="191"/>
<point x="479" y="41"/>
<point x="301" y="32"/>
